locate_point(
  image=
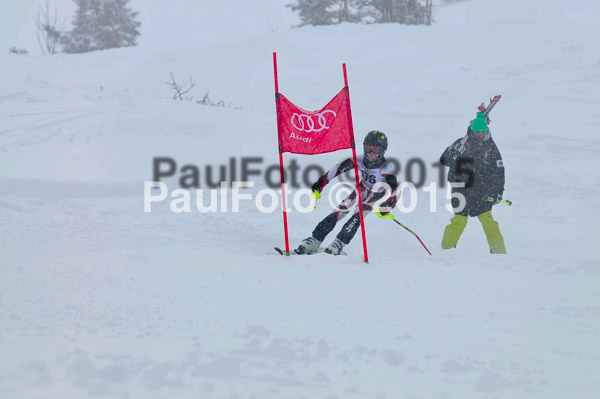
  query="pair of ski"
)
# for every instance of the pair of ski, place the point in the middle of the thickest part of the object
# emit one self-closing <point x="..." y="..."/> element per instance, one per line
<point x="486" y="110"/>
<point x="293" y="252"/>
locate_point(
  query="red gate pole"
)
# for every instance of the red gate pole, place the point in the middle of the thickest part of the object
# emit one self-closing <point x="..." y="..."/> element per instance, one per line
<point x="285" y="227"/>
<point x="360" y="210"/>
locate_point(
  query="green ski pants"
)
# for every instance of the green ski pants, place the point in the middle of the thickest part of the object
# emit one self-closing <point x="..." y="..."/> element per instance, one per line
<point x="457" y="225"/>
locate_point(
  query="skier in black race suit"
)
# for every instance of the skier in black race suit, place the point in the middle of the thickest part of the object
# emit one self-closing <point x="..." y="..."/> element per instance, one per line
<point x="373" y="169"/>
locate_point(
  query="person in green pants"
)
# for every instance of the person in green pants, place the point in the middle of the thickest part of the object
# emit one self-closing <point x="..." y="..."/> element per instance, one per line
<point x="475" y="164"/>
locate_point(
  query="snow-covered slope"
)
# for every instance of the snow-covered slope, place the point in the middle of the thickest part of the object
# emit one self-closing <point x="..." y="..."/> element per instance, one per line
<point x="100" y="299"/>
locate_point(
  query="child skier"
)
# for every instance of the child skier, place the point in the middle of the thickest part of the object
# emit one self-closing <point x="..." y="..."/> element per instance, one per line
<point x="373" y="169"/>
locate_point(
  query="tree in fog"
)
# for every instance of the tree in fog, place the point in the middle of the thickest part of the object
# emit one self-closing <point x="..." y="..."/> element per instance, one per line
<point x="101" y="24"/>
<point x="313" y="12"/>
<point x="48" y="29"/>
<point x="411" y="12"/>
<point x="327" y="12"/>
<point x="346" y="10"/>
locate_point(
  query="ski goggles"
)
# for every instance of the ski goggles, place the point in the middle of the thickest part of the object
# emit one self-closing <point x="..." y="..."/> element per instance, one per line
<point x="375" y="149"/>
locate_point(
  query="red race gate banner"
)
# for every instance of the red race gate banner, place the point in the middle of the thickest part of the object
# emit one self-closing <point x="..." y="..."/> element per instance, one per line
<point x="314" y="132"/>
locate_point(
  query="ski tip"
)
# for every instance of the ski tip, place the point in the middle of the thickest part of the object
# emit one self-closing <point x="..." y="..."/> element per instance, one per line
<point x="281" y="251"/>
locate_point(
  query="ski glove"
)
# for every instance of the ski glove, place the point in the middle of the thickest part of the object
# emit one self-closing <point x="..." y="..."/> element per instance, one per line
<point x="387" y="206"/>
<point x="319" y="184"/>
<point x="494" y="199"/>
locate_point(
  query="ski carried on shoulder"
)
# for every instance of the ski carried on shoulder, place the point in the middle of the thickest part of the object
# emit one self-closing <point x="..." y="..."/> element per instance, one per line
<point x="486" y="112"/>
<point x="293" y="252"/>
<point x="493" y="102"/>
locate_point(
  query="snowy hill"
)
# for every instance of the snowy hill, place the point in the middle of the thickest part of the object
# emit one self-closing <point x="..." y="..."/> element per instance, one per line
<point x="100" y="299"/>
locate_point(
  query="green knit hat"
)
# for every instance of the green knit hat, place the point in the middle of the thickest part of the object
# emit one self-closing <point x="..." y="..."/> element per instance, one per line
<point x="479" y="124"/>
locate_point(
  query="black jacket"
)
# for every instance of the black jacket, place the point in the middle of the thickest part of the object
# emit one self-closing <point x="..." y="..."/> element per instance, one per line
<point x="479" y="166"/>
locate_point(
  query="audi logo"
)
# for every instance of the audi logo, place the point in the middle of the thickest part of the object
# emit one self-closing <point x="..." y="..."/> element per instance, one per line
<point x="311" y="123"/>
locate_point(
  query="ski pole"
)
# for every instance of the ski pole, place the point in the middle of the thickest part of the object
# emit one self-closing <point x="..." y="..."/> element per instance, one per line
<point x="317" y="196"/>
<point x="492" y="199"/>
<point x="390" y="216"/>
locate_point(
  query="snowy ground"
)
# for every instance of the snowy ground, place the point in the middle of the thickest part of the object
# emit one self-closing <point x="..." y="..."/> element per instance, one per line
<point x="99" y="299"/>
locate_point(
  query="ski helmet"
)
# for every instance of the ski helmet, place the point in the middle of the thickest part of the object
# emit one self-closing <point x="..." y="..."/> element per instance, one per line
<point x="379" y="139"/>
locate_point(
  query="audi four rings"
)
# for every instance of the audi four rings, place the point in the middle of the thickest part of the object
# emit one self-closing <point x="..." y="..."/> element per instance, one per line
<point x="307" y="123"/>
